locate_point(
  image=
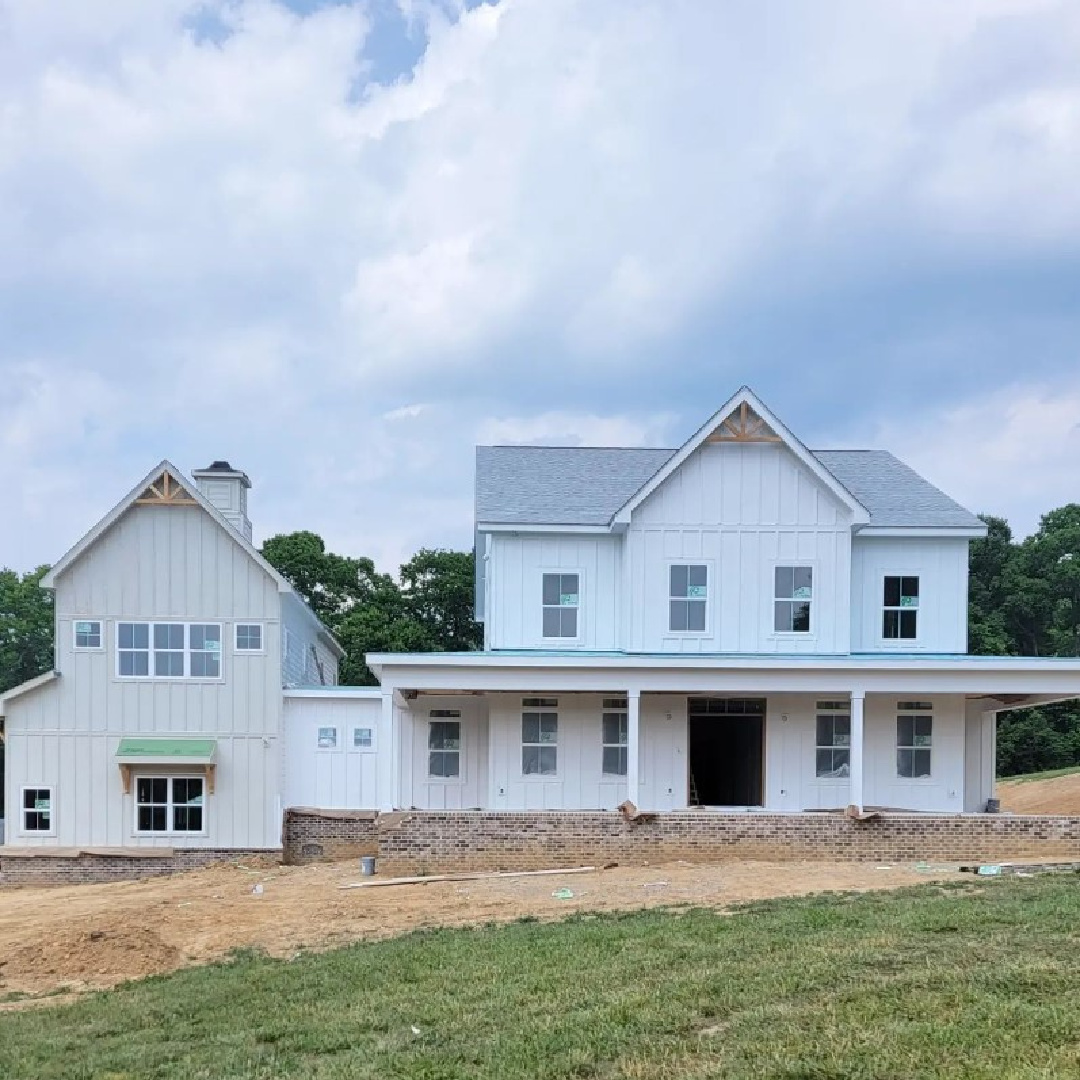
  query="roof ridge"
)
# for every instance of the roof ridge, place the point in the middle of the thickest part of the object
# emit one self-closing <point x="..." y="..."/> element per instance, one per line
<point x="559" y="446"/>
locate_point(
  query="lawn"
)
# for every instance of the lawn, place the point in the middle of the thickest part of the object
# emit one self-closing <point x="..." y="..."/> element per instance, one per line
<point x="1047" y="774"/>
<point x="978" y="980"/>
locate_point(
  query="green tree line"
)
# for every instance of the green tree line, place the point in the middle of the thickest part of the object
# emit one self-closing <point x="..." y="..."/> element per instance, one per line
<point x="1024" y="601"/>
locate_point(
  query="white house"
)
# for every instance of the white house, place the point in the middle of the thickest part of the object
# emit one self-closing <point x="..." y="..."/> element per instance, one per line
<point x="740" y="623"/>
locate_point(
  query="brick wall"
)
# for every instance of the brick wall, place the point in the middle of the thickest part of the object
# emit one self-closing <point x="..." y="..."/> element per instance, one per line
<point x="87" y="868"/>
<point x="430" y="842"/>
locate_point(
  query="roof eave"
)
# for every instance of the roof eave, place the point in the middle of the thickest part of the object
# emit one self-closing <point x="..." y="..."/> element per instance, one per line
<point x="925" y="532"/>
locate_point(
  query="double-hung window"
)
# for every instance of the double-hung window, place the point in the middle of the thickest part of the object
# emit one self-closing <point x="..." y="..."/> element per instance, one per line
<point x="914" y="739"/>
<point x="793" y="595"/>
<point x="561" y="599"/>
<point x="87" y="633"/>
<point x="444" y="744"/>
<point x="540" y="736"/>
<point x="249" y="637"/>
<point x="615" y="736"/>
<point x="168" y="650"/>
<point x="326" y="738"/>
<point x="833" y="739"/>
<point x="363" y="738"/>
<point x="37" y="810"/>
<point x="900" y="618"/>
<point x="169" y="804"/>
<point x="688" y="596"/>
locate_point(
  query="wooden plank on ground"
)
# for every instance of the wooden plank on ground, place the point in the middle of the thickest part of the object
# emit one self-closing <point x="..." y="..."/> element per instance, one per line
<point x="377" y="883"/>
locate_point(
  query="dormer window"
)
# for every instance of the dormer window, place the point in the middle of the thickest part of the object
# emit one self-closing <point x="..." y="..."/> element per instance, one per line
<point x="900" y="619"/>
<point x="688" y="597"/>
<point x="561" y="599"/>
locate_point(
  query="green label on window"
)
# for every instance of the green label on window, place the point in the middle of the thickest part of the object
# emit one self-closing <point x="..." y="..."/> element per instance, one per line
<point x="212" y="646"/>
<point x="42" y="804"/>
<point x="802" y="592"/>
<point x="568" y="599"/>
<point x="697" y="592"/>
<point x="909" y="601"/>
<point x="84" y="628"/>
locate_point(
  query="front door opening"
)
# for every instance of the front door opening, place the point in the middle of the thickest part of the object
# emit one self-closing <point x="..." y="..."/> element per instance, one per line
<point x="727" y="751"/>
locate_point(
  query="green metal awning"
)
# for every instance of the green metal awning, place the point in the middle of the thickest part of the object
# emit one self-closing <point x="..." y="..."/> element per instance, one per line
<point x="166" y="751"/>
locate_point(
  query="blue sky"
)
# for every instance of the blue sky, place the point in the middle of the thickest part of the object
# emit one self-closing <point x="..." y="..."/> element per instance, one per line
<point x="341" y="243"/>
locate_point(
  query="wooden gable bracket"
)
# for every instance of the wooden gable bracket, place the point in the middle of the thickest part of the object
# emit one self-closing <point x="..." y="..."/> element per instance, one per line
<point x="126" y="773"/>
<point x="165" y="491"/>
<point x="744" y="425"/>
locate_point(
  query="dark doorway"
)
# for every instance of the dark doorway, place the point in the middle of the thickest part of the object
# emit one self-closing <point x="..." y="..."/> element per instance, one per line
<point x="727" y="750"/>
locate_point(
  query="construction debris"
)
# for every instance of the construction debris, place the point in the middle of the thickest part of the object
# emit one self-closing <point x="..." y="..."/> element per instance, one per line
<point x="632" y="815"/>
<point x="465" y="877"/>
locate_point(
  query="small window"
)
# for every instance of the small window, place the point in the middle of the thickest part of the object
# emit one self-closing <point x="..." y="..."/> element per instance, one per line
<point x="444" y="745"/>
<point x="37" y="810"/>
<point x="833" y="740"/>
<point x="793" y="594"/>
<point x="687" y="597"/>
<point x="249" y="637"/>
<point x="363" y="738"/>
<point x="615" y="736"/>
<point x="901" y="614"/>
<point x="560" y="605"/>
<point x="539" y="742"/>
<point x="169" y="650"/>
<point x="914" y="739"/>
<point x="205" y="650"/>
<point x="133" y="650"/>
<point x="165" y="804"/>
<point x="327" y="738"/>
<point x="87" y="634"/>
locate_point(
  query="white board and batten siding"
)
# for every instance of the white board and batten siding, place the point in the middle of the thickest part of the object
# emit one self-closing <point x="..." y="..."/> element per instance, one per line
<point x="155" y="564"/>
<point x="419" y="788"/>
<point x="941" y="566"/>
<point x="742" y="510"/>
<point x="305" y="658"/>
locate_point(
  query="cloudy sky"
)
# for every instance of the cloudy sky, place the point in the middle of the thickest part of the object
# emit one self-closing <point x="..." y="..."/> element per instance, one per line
<point x="341" y="243"/>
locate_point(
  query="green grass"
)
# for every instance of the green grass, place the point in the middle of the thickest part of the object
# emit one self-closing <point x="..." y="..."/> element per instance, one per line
<point x="1049" y="774"/>
<point x="974" y="980"/>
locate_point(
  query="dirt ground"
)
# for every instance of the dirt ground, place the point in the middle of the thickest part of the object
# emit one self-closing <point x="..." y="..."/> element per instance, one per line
<point x="75" y="938"/>
<point x="1058" y="795"/>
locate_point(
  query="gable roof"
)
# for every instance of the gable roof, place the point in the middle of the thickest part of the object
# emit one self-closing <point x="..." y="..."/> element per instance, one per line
<point x="545" y="485"/>
<point x="190" y="496"/>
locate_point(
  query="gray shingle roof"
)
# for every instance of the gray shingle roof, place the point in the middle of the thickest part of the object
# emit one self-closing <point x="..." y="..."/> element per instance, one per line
<point x="586" y="485"/>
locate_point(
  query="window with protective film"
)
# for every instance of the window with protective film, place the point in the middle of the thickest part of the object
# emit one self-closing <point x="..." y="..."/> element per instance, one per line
<point x="561" y="601"/>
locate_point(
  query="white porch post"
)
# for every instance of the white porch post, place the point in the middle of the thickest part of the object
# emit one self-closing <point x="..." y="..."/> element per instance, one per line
<point x="389" y="765"/>
<point x="855" y="768"/>
<point x="633" y="713"/>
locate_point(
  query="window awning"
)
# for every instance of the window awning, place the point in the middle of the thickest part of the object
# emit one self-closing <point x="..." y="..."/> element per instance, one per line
<point x="170" y="751"/>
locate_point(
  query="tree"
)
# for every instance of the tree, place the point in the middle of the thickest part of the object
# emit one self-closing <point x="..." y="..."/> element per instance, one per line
<point x="990" y="561"/>
<point x="26" y="627"/>
<point x="440" y="589"/>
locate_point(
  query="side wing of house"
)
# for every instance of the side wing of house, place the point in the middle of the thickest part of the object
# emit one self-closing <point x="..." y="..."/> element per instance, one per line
<point x="163" y="726"/>
<point x="309" y="656"/>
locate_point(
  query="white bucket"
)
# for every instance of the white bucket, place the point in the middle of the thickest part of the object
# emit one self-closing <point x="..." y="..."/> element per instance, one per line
<point x="367" y="865"/>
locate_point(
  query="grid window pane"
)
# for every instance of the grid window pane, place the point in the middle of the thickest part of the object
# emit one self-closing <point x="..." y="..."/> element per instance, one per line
<point x="697" y="577"/>
<point x="37" y="809"/>
<point x="552" y="622"/>
<point x="615" y="760"/>
<point x="134" y="664"/>
<point x="678" y="620"/>
<point x="87" y="634"/>
<point x="908" y="623"/>
<point x="568" y="622"/>
<point x="695" y="616"/>
<point x="804" y="582"/>
<point x="800" y="617"/>
<point x="615" y="728"/>
<point x="785" y="582"/>
<point x="444" y="735"/>
<point x="444" y="765"/>
<point x="205" y="665"/>
<point x="134" y="635"/>
<point x="678" y="580"/>
<point x="560" y="605"/>
<point x="168" y="664"/>
<point x="168" y="636"/>
<point x="914" y="743"/>
<point x="892" y="592"/>
<point x="551" y="590"/>
<point x="901" y="615"/>
<point x="249" y="637"/>
<point x="539" y="736"/>
<point x="327" y="738"/>
<point x="890" y="625"/>
<point x="530" y="728"/>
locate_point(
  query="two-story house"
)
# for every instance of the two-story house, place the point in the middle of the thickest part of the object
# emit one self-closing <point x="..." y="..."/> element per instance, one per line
<point x="740" y="623"/>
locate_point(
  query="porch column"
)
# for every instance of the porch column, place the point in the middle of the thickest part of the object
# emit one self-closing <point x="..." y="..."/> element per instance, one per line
<point x="855" y="767"/>
<point x="388" y="762"/>
<point x="633" y="712"/>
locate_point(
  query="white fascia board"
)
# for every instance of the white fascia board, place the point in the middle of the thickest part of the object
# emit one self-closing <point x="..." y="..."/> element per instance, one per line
<point x="502" y="527"/>
<point x="338" y="693"/>
<point x="926" y="533"/>
<point x="860" y="515"/>
<point x="26" y="687"/>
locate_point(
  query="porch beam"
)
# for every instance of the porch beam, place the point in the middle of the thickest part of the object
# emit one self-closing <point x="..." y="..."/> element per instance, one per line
<point x="855" y="767"/>
<point x="633" y="742"/>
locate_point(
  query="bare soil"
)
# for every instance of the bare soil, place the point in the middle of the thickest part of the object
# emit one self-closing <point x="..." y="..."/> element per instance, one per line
<point x="1057" y="795"/>
<point x="70" y="939"/>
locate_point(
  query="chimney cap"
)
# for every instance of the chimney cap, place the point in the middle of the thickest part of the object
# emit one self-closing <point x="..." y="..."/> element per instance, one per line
<point x="221" y="469"/>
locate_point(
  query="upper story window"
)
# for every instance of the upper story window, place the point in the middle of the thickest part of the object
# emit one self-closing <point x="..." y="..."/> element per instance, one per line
<point x="793" y="595"/>
<point x="87" y="633"/>
<point x="444" y="744"/>
<point x="168" y="650"/>
<point x="914" y="739"/>
<point x="900" y="619"/>
<point x="688" y="595"/>
<point x="561" y="598"/>
<point x="833" y="739"/>
<point x="615" y="736"/>
<point x="249" y="637"/>
<point x="539" y="736"/>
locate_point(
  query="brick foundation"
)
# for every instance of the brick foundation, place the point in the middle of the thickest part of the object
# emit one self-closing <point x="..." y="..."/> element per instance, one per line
<point x="430" y="842"/>
<point x="83" y="868"/>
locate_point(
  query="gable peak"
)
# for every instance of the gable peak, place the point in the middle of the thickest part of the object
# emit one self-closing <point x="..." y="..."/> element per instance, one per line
<point x="166" y="490"/>
<point x="743" y="425"/>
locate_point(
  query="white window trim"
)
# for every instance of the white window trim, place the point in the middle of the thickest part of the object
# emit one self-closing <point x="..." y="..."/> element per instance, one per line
<point x="709" y="585"/>
<point x="170" y="777"/>
<point x="770" y="588"/>
<point x="555" y="641"/>
<point x="460" y="778"/>
<point x="87" y="648"/>
<point x="262" y="637"/>
<point x="337" y="747"/>
<point x="353" y="729"/>
<point x="539" y="778"/>
<point x="21" y="825"/>
<point x="898" y="643"/>
<point x="897" y="713"/>
<point x="624" y="712"/>
<point x="186" y="677"/>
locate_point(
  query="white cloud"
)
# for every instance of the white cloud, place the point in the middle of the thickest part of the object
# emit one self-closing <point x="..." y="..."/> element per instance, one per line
<point x="577" y="429"/>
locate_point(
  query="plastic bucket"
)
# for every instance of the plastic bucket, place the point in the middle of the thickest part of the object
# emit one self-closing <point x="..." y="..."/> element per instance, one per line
<point x="367" y="865"/>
